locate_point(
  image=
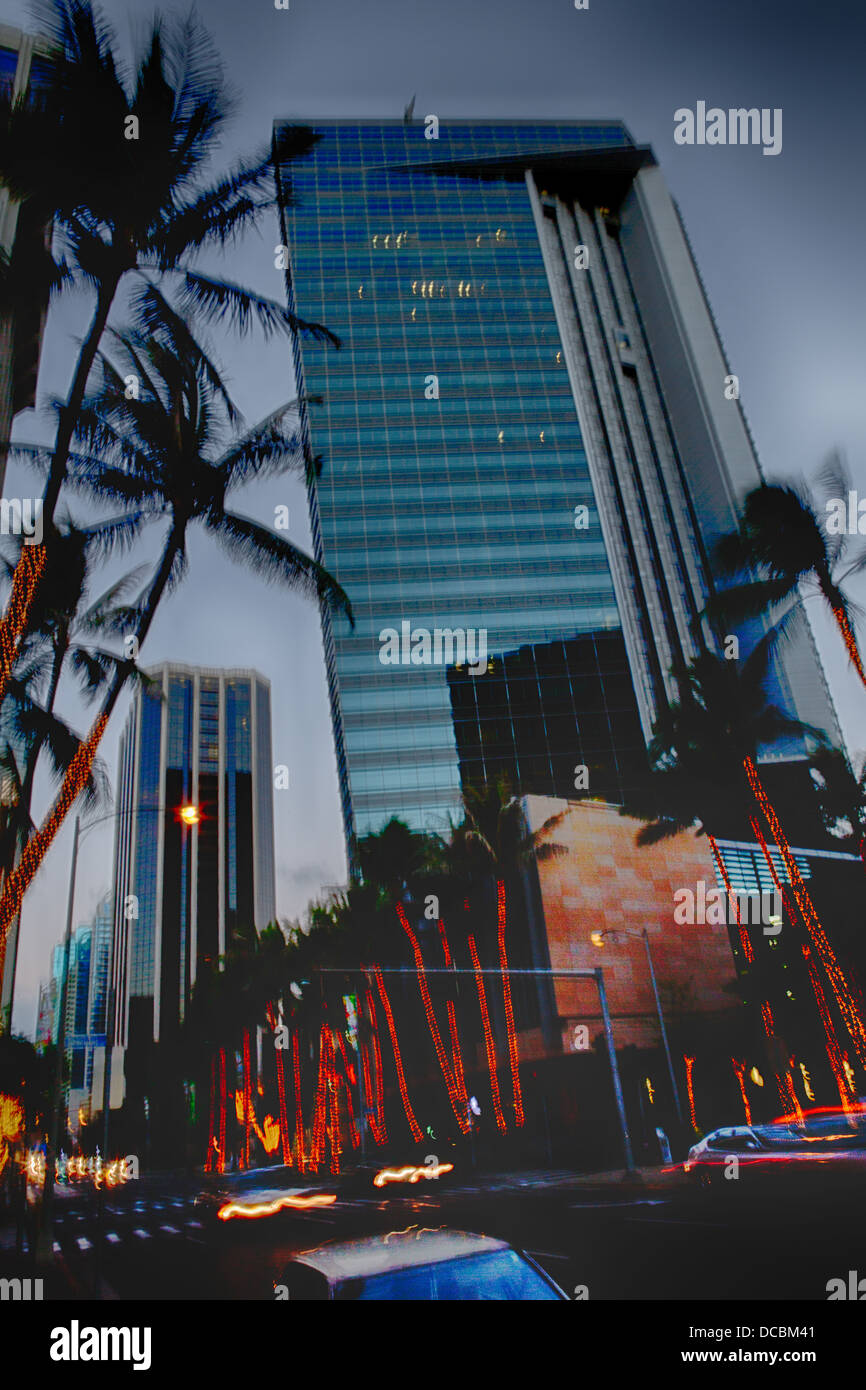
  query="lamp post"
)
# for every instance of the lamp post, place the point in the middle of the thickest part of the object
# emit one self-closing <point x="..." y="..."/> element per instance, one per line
<point x="190" y="815"/>
<point x="597" y="939"/>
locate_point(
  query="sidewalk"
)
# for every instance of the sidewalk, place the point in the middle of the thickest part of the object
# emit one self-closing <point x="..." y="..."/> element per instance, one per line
<point x="611" y="1184"/>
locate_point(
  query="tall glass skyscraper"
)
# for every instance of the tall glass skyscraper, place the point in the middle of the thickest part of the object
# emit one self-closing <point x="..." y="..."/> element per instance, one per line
<point x="527" y="436"/>
<point x="202" y="738"/>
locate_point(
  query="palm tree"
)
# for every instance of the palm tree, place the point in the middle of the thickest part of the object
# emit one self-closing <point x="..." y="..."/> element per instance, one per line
<point x="494" y="836"/>
<point x="782" y="543"/>
<point x="118" y="160"/>
<point x="163" y="458"/>
<point x="64" y="626"/>
<point x="704" y="755"/>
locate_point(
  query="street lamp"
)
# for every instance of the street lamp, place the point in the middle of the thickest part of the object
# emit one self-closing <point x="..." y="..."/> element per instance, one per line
<point x="597" y="939"/>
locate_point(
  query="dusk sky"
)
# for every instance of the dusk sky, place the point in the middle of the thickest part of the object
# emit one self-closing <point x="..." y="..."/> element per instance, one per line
<point x="778" y="241"/>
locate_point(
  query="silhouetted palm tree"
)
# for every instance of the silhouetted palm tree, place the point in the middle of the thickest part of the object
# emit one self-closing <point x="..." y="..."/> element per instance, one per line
<point x="162" y="457"/>
<point x="66" y="631"/>
<point x="494" y="834"/>
<point x="783" y="542"/>
<point x="118" y="159"/>
<point x="704" y="753"/>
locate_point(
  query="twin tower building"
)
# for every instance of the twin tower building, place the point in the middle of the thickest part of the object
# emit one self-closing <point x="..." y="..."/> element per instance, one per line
<point x="530" y="431"/>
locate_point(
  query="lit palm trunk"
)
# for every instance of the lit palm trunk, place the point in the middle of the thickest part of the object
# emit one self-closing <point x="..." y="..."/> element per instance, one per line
<point x="445" y="1066"/>
<point x="284" y="1113"/>
<point x="398" y="1059"/>
<point x="842" y="990"/>
<point x="501" y="913"/>
<point x="834" y="1053"/>
<point x="488" y="1037"/>
<point x="28" y="572"/>
<point x="844" y="625"/>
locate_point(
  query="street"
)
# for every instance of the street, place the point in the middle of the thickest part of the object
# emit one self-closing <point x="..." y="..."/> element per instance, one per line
<point x="653" y="1239"/>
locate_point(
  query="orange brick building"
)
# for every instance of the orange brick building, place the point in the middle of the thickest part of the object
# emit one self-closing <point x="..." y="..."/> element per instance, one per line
<point x="604" y="881"/>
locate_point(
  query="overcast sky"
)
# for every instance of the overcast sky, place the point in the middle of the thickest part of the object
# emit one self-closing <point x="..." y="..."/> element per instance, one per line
<point x="778" y="241"/>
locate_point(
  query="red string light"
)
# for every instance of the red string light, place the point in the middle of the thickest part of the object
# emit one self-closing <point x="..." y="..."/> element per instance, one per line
<point x="334" y="1132"/>
<point x="346" y="1082"/>
<point x="74" y="782"/>
<point x="740" y="1069"/>
<point x="849" y="639"/>
<point x="844" y="997"/>
<point x="421" y="976"/>
<point x="377" y="1123"/>
<point x="745" y="940"/>
<point x="511" y="1032"/>
<point x="690" y="1087"/>
<point x="834" y="1051"/>
<point x="456" y="1052"/>
<point x="248" y="1098"/>
<point x="25" y="581"/>
<point x="221" y="1166"/>
<point x="280" y="1054"/>
<point x="834" y="1054"/>
<point x="488" y="1036"/>
<point x="299" y="1113"/>
<point x="317" y="1140"/>
<point x="398" y="1060"/>
<point x="770" y="1030"/>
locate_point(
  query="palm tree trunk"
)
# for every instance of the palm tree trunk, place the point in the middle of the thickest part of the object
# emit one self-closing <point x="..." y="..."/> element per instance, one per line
<point x="31" y="562"/>
<point x="446" y="1067"/>
<point x="28" y="572"/>
<point x="81" y="766"/>
<point x="501" y="920"/>
<point x="844" y="997"/>
<point x="25" y="801"/>
<point x="847" y="633"/>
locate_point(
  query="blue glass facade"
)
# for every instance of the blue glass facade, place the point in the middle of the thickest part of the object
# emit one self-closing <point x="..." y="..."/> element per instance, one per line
<point x="453" y="457"/>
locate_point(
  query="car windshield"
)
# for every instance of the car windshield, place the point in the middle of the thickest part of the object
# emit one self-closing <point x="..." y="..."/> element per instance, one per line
<point x="816" y="1133"/>
<point x="501" y="1274"/>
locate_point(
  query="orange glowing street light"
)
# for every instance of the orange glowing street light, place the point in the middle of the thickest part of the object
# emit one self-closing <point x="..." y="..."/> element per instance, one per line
<point x="189" y="814"/>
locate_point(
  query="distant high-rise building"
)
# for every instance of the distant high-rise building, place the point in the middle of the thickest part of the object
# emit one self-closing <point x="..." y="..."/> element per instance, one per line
<point x="48" y="1015"/>
<point x="86" y="1002"/>
<point x="530" y="435"/>
<point x="199" y="739"/>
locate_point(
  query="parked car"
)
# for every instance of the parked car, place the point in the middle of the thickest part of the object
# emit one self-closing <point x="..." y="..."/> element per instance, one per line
<point x="418" y="1266"/>
<point x="827" y="1137"/>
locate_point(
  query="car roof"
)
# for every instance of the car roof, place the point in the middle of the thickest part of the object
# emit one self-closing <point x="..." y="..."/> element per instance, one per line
<point x="354" y="1259"/>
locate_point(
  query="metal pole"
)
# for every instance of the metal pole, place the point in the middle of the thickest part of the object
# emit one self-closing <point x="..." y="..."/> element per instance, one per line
<point x="106" y="1104"/>
<point x="45" y="1243"/>
<point x="662" y="1027"/>
<point x="614" y="1071"/>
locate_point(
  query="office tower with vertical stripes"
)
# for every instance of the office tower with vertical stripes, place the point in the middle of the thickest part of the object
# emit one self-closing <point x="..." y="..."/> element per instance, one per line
<point x="527" y="432"/>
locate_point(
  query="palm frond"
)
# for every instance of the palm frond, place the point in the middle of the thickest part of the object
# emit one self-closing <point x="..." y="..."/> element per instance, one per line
<point x="276" y="559"/>
<point x="218" y="301"/>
